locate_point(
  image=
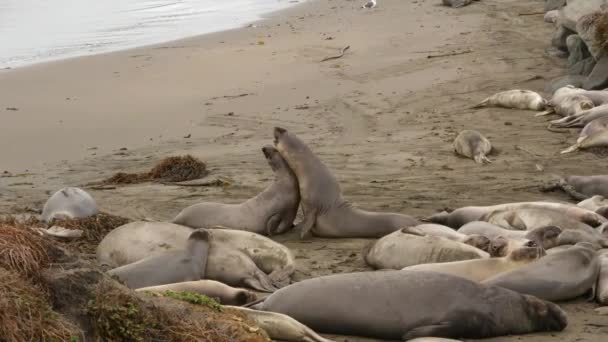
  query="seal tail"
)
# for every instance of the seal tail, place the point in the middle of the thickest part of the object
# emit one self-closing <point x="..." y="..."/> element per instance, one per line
<point x="481" y="104"/>
<point x="255" y="304"/>
<point x="482" y="159"/>
<point x="547" y="112"/>
<point x="572" y="148"/>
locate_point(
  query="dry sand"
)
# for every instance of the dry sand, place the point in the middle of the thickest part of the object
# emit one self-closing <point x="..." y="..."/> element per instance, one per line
<point x="382" y="117"/>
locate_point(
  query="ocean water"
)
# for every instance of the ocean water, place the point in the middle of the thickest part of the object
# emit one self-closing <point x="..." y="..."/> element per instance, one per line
<point x="33" y="31"/>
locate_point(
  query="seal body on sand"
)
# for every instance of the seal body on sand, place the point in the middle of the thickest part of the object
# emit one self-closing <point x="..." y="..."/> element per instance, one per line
<point x="582" y="118"/>
<point x="528" y="219"/>
<point x="594" y="134"/>
<point x="545" y="237"/>
<point x="430" y="229"/>
<point x="502" y="246"/>
<point x="69" y="202"/>
<point x="571" y="104"/>
<point x="574" y="236"/>
<point x="225" y="294"/>
<point x="445" y="306"/>
<point x="516" y="98"/>
<point x="169" y="266"/>
<point x="326" y="213"/>
<point x="472" y="144"/>
<point x="599" y="97"/>
<point x="589" y="185"/>
<point x="594" y="202"/>
<point x="270" y="212"/>
<point x="236" y="258"/>
<point x="281" y="327"/>
<point x="461" y="216"/>
<point x="482" y="269"/>
<point x="558" y="276"/>
<point x="602" y="280"/>
<point x="407" y="247"/>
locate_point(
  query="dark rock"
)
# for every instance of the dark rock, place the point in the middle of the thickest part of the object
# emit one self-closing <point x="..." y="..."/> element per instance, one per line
<point x="554" y="84"/>
<point x="598" y="79"/>
<point x="560" y="36"/>
<point x="551" y="5"/>
<point x="576" y="48"/>
<point x="583" y="67"/>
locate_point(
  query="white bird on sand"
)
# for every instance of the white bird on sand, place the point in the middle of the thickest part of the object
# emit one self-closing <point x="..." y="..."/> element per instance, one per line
<point x="369" y="4"/>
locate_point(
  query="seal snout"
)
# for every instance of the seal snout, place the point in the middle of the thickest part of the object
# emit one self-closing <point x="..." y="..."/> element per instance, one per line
<point x="278" y="131"/>
<point x="268" y="151"/>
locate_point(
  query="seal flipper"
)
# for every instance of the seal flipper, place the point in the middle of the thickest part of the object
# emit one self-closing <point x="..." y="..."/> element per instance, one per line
<point x="261" y="282"/>
<point x="310" y="218"/>
<point x="272" y="224"/>
<point x="442" y="329"/>
<point x="281" y="277"/>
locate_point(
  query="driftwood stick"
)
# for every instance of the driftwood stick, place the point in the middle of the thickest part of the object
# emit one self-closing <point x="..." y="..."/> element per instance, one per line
<point x="338" y="56"/>
<point x="456" y="53"/>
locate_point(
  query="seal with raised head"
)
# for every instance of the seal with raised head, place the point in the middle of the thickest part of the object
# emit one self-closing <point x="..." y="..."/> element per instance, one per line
<point x="473" y="145"/>
<point x="545" y="237"/>
<point x="457" y="218"/>
<point x="170" y="266"/>
<point x="408" y="246"/>
<point x="69" y="203"/>
<point x="516" y="99"/>
<point x="326" y="213"/>
<point x="482" y="269"/>
<point x="223" y="293"/>
<point x="402" y="305"/>
<point x="281" y="327"/>
<point x="558" y="276"/>
<point x="269" y="213"/>
<point x="236" y="257"/>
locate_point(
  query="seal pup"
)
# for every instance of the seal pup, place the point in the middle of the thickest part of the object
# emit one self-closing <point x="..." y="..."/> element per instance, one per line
<point x="407" y="247"/>
<point x="582" y="118"/>
<point x="430" y="229"/>
<point x="236" y="257"/>
<point x="169" y="266"/>
<point x="473" y="145"/>
<point x="602" y="280"/>
<point x="594" y="134"/>
<point x="326" y="213"/>
<point x="223" y="293"/>
<point x="445" y="306"/>
<point x="594" y="202"/>
<point x="281" y="327"/>
<point x="69" y="203"/>
<point x="545" y="237"/>
<point x="599" y="97"/>
<point x="482" y="269"/>
<point x="528" y="219"/>
<point x="570" y="104"/>
<point x="269" y="213"/>
<point x="457" y="218"/>
<point x="517" y="99"/>
<point x="559" y="276"/>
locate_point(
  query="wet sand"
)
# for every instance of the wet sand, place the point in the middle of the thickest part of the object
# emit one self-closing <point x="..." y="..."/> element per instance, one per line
<point x="383" y="117"/>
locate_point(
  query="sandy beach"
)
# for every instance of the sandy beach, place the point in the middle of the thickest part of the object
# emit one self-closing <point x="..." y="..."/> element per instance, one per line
<point x="383" y="118"/>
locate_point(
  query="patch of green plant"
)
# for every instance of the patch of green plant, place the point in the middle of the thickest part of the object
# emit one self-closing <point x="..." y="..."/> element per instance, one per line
<point x="194" y="298"/>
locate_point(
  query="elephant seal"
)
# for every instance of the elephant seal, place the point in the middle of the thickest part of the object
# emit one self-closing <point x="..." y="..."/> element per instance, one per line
<point x="574" y="236"/>
<point x="170" y="266"/>
<point x="281" y="327"/>
<point x="582" y="118"/>
<point x="602" y="280"/>
<point x="528" y="219"/>
<point x="516" y="98"/>
<point x="70" y="203"/>
<point x="223" y="293"/>
<point x="482" y="269"/>
<point x="326" y="213"/>
<point x="588" y="185"/>
<point x="545" y="237"/>
<point x="473" y="145"/>
<point x="407" y="247"/>
<point x="411" y="304"/>
<point x="502" y="246"/>
<point x="594" y="202"/>
<point x="474" y="240"/>
<point x="559" y="276"/>
<point x="269" y="213"/>
<point x="236" y="257"/>
<point x="571" y="104"/>
<point x="599" y="97"/>
<point x="457" y="218"/>
<point x="594" y="134"/>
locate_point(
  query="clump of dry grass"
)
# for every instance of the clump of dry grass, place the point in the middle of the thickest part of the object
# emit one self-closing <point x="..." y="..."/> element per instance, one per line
<point x="25" y="314"/>
<point x="21" y="250"/>
<point x="170" y="169"/>
<point x="94" y="228"/>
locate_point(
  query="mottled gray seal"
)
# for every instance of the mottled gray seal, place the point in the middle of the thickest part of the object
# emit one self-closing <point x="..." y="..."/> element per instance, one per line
<point x="409" y="304"/>
<point x="473" y="145"/>
<point x="407" y="247"/>
<point x="516" y="98"/>
<point x="559" y="276"/>
<point x="602" y="280"/>
<point x="236" y="257"/>
<point x="482" y="269"/>
<point x="223" y="293"/>
<point x="69" y="202"/>
<point x="545" y="237"/>
<point x="270" y="212"/>
<point x="326" y="212"/>
<point x="169" y="266"/>
<point x="281" y="327"/>
<point x="594" y="134"/>
<point x="461" y="216"/>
